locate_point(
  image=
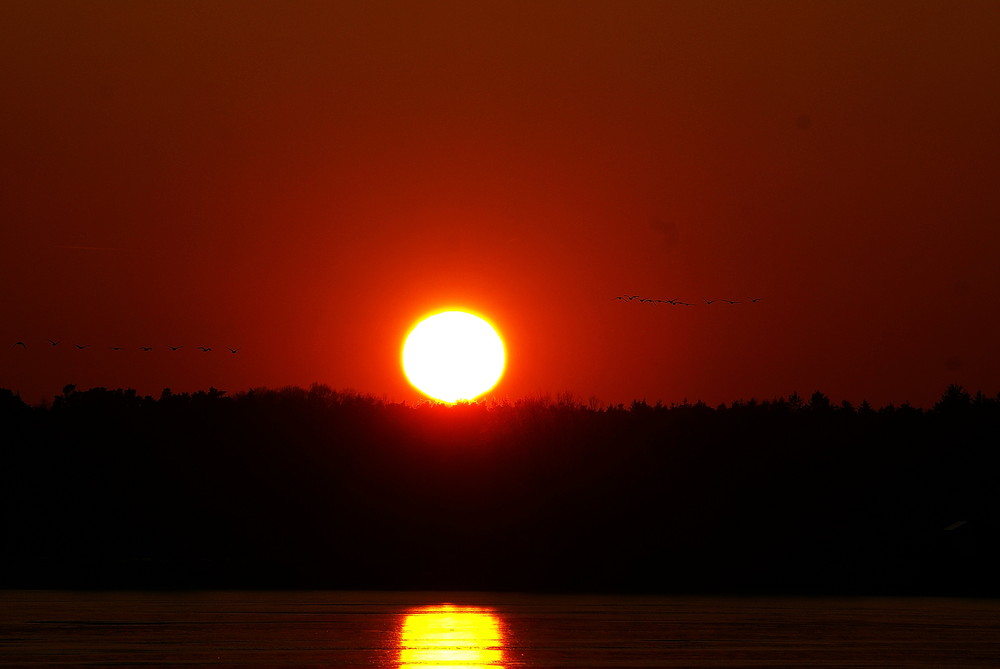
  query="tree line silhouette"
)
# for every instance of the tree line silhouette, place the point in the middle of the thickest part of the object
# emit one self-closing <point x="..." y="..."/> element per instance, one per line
<point x="298" y="487"/>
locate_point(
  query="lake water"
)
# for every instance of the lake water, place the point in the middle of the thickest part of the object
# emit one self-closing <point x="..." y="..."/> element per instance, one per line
<point x="420" y="630"/>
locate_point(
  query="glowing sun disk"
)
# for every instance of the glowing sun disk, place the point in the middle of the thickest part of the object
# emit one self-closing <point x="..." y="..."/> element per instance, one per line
<point x="453" y="355"/>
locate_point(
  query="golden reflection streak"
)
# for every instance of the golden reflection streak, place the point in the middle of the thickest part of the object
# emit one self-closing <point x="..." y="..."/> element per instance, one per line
<point x="456" y="637"/>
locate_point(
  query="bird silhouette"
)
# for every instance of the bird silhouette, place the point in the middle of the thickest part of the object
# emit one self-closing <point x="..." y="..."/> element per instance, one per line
<point x="676" y="301"/>
<point x="174" y="348"/>
<point x="53" y="342"/>
<point x="206" y="349"/>
<point x="232" y="350"/>
<point x="116" y="348"/>
<point x="19" y="343"/>
<point x="81" y="346"/>
<point x="146" y="348"/>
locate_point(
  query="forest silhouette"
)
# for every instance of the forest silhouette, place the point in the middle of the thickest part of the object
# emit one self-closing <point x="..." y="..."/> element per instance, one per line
<point x="295" y="487"/>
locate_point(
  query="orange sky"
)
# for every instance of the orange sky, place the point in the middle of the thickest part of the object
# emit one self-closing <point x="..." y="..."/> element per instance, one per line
<point x="304" y="179"/>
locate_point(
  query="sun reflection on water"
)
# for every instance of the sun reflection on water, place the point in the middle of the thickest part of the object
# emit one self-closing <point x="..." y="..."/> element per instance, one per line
<point x="456" y="637"/>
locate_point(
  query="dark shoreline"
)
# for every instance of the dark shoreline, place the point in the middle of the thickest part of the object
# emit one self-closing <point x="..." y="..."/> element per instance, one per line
<point x="315" y="489"/>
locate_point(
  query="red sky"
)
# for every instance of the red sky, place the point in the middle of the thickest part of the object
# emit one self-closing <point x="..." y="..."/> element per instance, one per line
<point x="305" y="179"/>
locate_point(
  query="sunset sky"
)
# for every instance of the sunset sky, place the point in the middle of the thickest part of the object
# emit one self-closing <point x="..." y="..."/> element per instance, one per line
<point x="304" y="180"/>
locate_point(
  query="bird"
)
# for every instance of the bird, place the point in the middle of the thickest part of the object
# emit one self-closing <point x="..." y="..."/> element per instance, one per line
<point x="756" y="299"/>
<point x="731" y="301"/>
<point x="53" y="342"/>
<point x="684" y="304"/>
<point x="174" y="348"/>
<point x="81" y="346"/>
<point x="232" y="350"/>
<point x="623" y="298"/>
<point x="707" y="301"/>
<point x="206" y="349"/>
<point x="19" y="343"/>
<point x="116" y="348"/>
<point x="146" y="348"/>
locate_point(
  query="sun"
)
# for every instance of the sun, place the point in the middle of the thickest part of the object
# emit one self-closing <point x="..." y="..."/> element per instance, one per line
<point x="453" y="355"/>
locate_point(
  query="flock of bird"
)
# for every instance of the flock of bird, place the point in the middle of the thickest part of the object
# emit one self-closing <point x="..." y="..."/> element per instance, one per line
<point x="53" y="342"/>
<point x="678" y="302"/>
